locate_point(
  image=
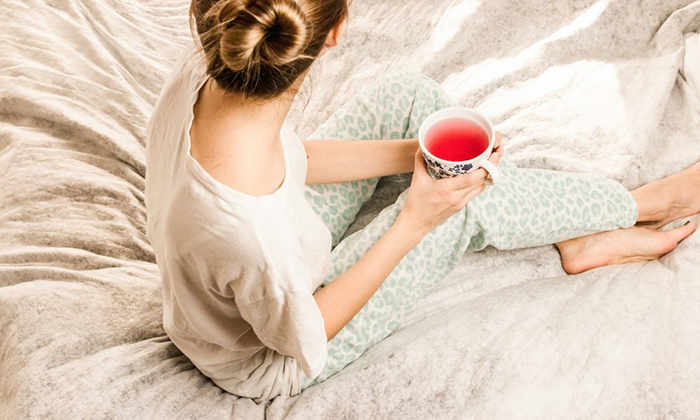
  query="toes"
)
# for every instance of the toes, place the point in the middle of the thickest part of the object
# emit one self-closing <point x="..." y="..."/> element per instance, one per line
<point x="682" y="232"/>
<point x="674" y="236"/>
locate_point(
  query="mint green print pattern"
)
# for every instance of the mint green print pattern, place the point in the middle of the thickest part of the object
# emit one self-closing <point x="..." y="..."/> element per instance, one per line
<point x="533" y="207"/>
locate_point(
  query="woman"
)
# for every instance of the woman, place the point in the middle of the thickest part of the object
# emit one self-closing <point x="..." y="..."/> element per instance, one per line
<point x="244" y="217"/>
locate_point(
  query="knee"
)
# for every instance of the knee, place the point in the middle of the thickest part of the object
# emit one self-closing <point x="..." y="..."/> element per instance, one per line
<point x="411" y="80"/>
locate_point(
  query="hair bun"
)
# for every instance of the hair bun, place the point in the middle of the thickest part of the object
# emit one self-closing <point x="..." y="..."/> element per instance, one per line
<point x="273" y="32"/>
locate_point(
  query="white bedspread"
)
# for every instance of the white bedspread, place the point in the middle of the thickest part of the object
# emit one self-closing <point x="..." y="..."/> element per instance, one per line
<point x="597" y="86"/>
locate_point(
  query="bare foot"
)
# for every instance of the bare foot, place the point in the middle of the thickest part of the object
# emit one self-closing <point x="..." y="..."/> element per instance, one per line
<point x="619" y="246"/>
<point x="669" y="199"/>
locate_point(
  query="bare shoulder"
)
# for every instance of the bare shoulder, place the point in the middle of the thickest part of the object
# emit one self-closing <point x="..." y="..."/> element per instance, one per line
<point x="232" y="151"/>
<point x="239" y="163"/>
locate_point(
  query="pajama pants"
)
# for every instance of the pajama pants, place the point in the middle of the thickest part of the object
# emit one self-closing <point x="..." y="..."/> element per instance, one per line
<point x="533" y="207"/>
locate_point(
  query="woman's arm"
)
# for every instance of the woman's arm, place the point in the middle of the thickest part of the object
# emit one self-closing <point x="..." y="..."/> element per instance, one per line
<point x="349" y="160"/>
<point x="340" y="300"/>
<point x="429" y="203"/>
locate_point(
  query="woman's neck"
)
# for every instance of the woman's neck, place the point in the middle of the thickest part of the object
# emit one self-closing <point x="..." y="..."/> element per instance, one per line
<point x="226" y="124"/>
<point x="265" y="118"/>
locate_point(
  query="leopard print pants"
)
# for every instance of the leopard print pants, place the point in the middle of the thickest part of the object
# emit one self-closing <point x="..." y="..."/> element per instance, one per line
<point x="533" y="207"/>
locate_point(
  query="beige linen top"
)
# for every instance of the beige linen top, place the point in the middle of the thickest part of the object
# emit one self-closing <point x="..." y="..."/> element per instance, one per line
<point x="239" y="271"/>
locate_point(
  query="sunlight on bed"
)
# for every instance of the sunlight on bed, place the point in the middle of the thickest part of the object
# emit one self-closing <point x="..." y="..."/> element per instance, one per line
<point x="577" y="88"/>
<point x="490" y="70"/>
<point x="449" y="24"/>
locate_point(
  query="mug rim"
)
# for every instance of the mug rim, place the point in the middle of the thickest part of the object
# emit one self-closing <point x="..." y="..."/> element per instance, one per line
<point x="472" y="115"/>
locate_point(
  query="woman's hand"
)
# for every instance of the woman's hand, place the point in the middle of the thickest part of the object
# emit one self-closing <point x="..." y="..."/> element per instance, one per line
<point x="431" y="201"/>
<point x="497" y="151"/>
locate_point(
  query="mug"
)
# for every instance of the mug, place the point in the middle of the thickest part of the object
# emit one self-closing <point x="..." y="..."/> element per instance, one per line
<point x="441" y="168"/>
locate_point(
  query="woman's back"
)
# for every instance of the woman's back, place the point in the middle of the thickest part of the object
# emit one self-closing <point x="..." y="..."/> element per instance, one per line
<point x="234" y="146"/>
<point x="238" y="270"/>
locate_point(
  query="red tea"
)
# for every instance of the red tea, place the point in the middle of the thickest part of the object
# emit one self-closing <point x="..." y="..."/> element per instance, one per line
<point x="456" y="139"/>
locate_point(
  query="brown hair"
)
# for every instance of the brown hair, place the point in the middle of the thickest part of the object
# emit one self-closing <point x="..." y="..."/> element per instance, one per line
<point x="260" y="47"/>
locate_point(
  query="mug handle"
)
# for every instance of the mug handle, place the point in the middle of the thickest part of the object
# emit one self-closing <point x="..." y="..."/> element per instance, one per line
<point x="492" y="170"/>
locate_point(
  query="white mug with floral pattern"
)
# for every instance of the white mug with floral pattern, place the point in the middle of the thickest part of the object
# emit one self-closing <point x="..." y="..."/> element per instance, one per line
<point x="441" y="168"/>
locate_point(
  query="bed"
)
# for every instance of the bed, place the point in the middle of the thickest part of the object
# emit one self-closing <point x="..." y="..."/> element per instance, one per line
<point x="594" y="86"/>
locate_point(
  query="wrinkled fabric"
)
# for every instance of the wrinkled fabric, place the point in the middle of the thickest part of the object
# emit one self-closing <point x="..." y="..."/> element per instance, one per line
<point x="595" y="86"/>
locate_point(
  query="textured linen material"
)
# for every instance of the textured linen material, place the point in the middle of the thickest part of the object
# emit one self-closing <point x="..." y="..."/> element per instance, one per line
<point x="592" y="86"/>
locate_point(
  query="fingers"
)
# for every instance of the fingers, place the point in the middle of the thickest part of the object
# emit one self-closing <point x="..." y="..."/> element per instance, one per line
<point x="495" y="157"/>
<point x="463" y="181"/>
<point x="419" y="165"/>
<point x="462" y="197"/>
<point x="471" y="194"/>
<point x="497" y="151"/>
<point x="418" y="158"/>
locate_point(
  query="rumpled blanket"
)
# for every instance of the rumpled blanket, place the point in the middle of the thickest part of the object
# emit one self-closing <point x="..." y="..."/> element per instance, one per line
<point x="598" y="86"/>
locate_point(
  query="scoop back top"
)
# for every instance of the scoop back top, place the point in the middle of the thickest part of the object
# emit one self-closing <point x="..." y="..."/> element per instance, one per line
<point x="238" y="271"/>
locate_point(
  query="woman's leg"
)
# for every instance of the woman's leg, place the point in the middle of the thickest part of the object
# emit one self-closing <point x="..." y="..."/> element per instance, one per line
<point x="619" y="246"/>
<point x="535" y="207"/>
<point x="665" y="200"/>
<point x="389" y="108"/>
<point x="659" y="202"/>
